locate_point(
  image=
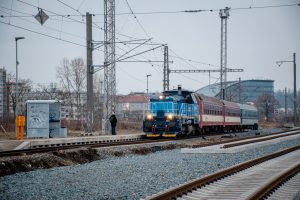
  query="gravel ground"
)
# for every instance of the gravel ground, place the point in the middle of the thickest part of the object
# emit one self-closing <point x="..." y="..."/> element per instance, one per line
<point x="128" y="177"/>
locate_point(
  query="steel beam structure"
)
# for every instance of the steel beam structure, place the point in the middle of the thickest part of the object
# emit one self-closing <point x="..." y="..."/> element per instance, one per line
<point x="109" y="64"/>
<point x="224" y="14"/>
<point x="203" y="70"/>
<point x="166" y="79"/>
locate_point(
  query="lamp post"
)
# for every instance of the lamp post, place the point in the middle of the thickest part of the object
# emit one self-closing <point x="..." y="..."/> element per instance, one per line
<point x="295" y="90"/>
<point x="147" y="82"/>
<point x="17" y="63"/>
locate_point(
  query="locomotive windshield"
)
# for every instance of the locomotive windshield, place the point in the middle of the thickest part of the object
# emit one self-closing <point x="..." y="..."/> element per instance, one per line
<point x="167" y="107"/>
<point x="173" y="104"/>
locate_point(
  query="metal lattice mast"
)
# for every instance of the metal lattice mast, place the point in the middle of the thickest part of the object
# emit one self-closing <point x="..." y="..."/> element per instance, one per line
<point x="224" y="14"/>
<point x="109" y="64"/>
<point x="166" y="80"/>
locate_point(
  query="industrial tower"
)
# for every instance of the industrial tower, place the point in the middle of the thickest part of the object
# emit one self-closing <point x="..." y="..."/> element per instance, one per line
<point x="224" y="14"/>
<point x="109" y="64"/>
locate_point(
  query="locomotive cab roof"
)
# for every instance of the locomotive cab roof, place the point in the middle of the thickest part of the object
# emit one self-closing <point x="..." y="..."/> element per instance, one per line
<point x="173" y="95"/>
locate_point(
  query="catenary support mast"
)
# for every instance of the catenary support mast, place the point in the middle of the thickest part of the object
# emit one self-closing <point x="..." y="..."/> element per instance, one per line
<point x="90" y="71"/>
<point x="224" y="14"/>
<point x="166" y="79"/>
<point x="109" y="64"/>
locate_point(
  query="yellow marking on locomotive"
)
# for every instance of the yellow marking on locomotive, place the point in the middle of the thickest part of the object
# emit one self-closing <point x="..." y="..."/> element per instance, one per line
<point x="169" y="135"/>
<point x="152" y="135"/>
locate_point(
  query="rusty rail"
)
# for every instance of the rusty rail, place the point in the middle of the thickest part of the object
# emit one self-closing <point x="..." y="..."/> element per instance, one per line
<point x="275" y="182"/>
<point x="258" y="140"/>
<point x="105" y="144"/>
<point x="65" y="147"/>
<point x="180" y="190"/>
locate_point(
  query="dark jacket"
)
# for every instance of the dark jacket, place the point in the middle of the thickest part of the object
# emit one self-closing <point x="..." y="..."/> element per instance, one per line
<point x="113" y="120"/>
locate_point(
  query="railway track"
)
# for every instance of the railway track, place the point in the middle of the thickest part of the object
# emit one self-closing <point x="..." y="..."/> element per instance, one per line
<point x="98" y="144"/>
<point x="255" y="179"/>
<point x="264" y="138"/>
<point x="73" y="146"/>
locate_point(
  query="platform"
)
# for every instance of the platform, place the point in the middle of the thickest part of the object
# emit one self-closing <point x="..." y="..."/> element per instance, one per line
<point x="7" y="145"/>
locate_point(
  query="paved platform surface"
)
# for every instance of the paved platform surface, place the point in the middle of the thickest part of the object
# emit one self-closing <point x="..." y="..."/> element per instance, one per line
<point x="7" y="145"/>
<point x="219" y="148"/>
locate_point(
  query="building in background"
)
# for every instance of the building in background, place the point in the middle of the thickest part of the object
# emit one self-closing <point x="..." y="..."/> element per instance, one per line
<point x="3" y="95"/>
<point x="132" y="106"/>
<point x="240" y="91"/>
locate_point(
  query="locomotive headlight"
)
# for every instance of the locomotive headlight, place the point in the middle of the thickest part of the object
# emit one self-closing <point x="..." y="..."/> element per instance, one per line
<point x="161" y="97"/>
<point x="149" y="116"/>
<point x="170" y="117"/>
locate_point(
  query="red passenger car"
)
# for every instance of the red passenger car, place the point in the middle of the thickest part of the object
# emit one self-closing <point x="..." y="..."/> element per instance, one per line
<point x="211" y="113"/>
<point x="232" y="120"/>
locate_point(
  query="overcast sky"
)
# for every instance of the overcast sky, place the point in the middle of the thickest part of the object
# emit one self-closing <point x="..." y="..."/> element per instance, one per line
<point x="257" y="38"/>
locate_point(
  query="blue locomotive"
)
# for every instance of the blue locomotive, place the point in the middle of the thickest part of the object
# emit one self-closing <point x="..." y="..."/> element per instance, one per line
<point x="181" y="112"/>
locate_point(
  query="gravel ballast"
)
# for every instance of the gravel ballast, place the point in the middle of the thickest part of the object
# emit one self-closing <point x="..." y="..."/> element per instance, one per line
<point x="128" y="177"/>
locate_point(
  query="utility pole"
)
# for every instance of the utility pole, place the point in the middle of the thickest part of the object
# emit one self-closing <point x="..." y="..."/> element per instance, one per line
<point x="90" y="72"/>
<point x="224" y="14"/>
<point x="295" y="81"/>
<point x="17" y="84"/>
<point x="166" y="80"/>
<point x="240" y="90"/>
<point x="285" y="105"/>
<point x="147" y="83"/>
<point x="109" y="64"/>
<point x="295" y="90"/>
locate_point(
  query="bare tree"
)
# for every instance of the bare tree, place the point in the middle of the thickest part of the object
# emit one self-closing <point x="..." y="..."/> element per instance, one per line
<point x="98" y="99"/>
<point x="24" y="86"/>
<point x="266" y="103"/>
<point x="47" y="91"/>
<point x="72" y="78"/>
<point x="78" y="78"/>
<point x="63" y="73"/>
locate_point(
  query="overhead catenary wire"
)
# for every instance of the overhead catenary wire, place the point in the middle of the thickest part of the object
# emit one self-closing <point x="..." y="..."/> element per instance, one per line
<point x="57" y="38"/>
<point x="43" y="34"/>
<point x="194" y="61"/>
<point x="76" y="10"/>
<point x="50" y="28"/>
<point x="69" y="17"/>
<point x="174" y="12"/>
<point x="139" y="23"/>
<point x="80" y="4"/>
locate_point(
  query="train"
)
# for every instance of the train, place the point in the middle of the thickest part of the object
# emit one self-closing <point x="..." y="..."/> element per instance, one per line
<point x="177" y="113"/>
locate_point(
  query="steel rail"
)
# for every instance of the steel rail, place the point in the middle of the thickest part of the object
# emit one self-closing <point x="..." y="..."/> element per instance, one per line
<point x="98" y="144"/>
<point x="183" y="189"/>
<point x="258" y="140"/>
<point x="65" y="147"/>
<point x="271" y="185"/>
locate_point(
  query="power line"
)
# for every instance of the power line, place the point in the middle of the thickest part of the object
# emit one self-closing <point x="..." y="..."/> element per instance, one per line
<point x="46" y="35"/>
<point x="168" y="12"/>
<point x="138" y="21"/>
<point x="69" y="17"/>
<point x="194" y="61"/>
<point x="80" y="4"/>
<point x="50" y="28"/>
<point x="78" y="12"/>
<point x="69" y="6"/>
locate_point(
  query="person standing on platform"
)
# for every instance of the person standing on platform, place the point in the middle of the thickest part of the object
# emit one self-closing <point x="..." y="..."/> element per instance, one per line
<point x="113" y="122"/>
